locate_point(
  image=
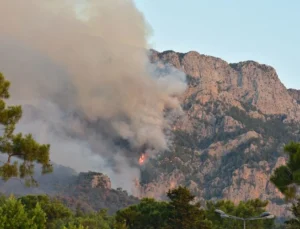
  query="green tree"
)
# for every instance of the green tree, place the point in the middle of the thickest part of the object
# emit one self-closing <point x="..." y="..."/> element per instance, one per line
<point x="287" y="177"/>
<point x="93" y="220"/>
<point x="54" y="210"/>
<point x="22" y="147"/>
<point x="245" y="209"/>
<point x="14" y="215"/>
<point x="119" y="225"/>
<point x="59" y="216"/>
<point x="41" y="212"/>
<point x="183" y="214"/>
<point x="2" y="199"/>
<point x="179" y="212"/>
<point x="224" y="205"/>
<point x="148" y="214"/>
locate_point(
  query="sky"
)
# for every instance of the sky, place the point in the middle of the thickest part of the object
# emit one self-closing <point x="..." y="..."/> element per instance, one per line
<point x="266" y="31"/>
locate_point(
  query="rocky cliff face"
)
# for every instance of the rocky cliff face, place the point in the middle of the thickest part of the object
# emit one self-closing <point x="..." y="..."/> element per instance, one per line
<point x="237" y="118"/>
<point x="295" y="94"/>
<point x="94" y="180"/>
<point x="245" y="82"/>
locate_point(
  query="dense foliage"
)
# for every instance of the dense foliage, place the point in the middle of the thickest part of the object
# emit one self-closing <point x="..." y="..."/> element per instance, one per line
<point x="247" y="209"/>
<point x="180" y="213"/>
<point x="43" y="212"/>
<point x="177" y="213"/>
<point x="14" y="215"/>
<point x="287" y="177"/>
<point x="183" y="214"/>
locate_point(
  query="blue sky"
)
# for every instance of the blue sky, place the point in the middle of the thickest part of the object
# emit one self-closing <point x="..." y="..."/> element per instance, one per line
<point x="267" y="31"/>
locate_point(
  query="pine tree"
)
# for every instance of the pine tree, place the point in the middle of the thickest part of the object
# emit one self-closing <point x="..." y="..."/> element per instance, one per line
<point x="287" y="177"/>
<point x="185" y="215"/>
<point x="20" y="146"/>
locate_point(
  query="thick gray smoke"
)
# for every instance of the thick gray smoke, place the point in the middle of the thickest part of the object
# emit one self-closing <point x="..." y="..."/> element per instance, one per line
<point x="85" y="83"/>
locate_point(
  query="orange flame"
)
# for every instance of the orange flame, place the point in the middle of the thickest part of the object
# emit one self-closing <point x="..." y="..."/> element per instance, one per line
<point x="172" y="184"/>
<point x="142" y="159"/>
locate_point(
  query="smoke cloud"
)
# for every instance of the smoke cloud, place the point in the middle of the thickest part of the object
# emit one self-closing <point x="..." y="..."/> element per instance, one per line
<point x="86" y="84"/>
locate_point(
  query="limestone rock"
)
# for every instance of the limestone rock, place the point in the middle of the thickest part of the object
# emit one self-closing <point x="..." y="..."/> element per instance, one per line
<point x="237" y="118"/>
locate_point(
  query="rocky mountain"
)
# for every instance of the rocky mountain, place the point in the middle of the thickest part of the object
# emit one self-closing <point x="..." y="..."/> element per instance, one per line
<point x="92" y="191"/>
<point x="237" y="119"/>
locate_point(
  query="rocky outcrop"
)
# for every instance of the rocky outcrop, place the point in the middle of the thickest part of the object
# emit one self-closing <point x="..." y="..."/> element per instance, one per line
<point x="231" y="125"/>
<point x="163" y="183"/>
<point x="94" y="180"/>
<point x="220" y="149"/>
<point x="249" y="183"/>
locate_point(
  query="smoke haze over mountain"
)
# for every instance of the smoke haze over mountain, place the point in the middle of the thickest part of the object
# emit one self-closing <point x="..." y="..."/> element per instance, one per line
<point x="86" y="83"/>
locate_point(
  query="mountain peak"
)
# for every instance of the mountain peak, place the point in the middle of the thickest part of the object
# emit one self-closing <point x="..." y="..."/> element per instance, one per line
<point x="252" y="64"/>
<point x="246" y="82"/>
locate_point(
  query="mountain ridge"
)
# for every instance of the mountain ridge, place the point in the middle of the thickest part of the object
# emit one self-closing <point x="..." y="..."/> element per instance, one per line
<point x="247" y="75"/>
<point x="181" y="54"/>
<point x="236" y="120"/>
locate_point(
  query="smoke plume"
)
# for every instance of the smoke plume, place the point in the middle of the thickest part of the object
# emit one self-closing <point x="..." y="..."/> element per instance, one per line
<point x="85" y="84"/>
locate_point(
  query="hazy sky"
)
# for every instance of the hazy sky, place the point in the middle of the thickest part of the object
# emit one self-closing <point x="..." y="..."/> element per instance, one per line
<point x="266" y="31"/>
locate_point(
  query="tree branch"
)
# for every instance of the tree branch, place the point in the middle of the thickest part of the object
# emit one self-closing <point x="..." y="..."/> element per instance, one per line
<point x="12" y="155"/>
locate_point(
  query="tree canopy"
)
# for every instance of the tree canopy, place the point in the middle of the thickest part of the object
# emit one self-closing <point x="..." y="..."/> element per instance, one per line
<point x="44" y="212"/>
<point x="245" y="209"/>
<point x="14" y="215"/>
<point x="183" y="214"/>
<point x="179" y="212"/>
